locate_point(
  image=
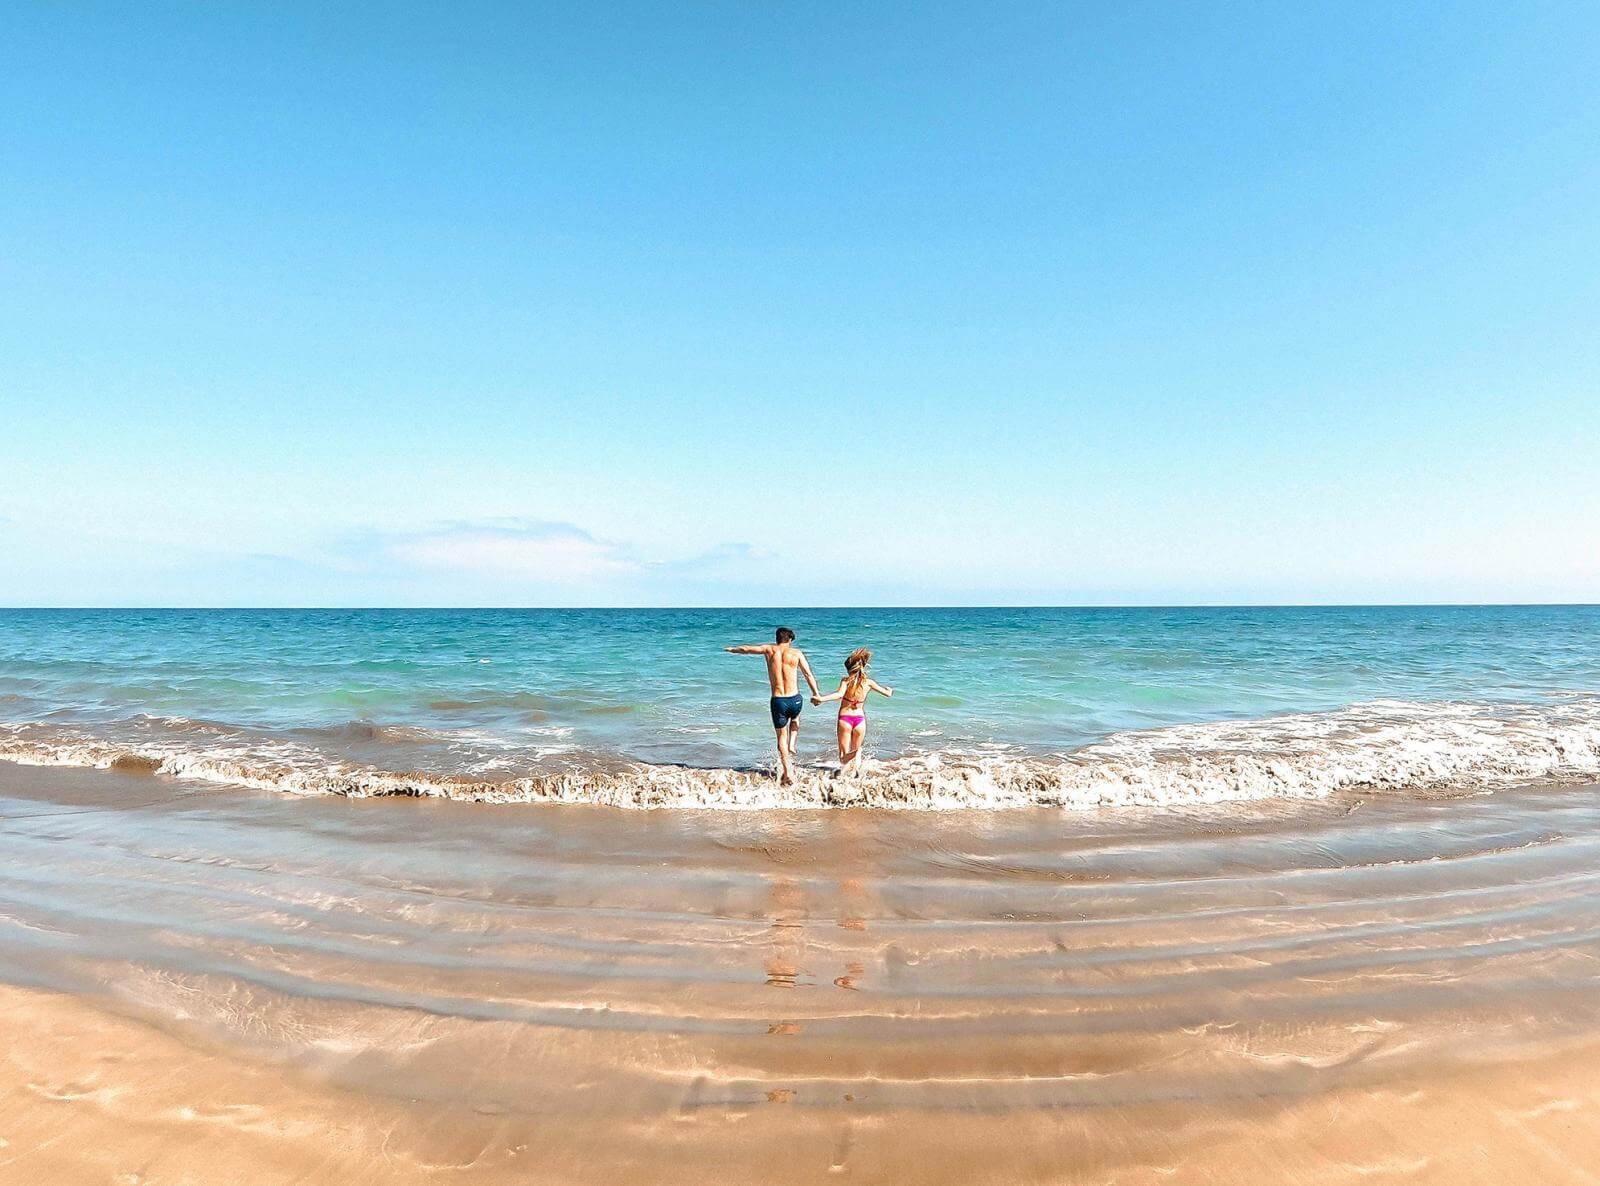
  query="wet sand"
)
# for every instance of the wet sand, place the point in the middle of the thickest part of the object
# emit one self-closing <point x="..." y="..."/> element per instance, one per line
<point x="220" y="985"/>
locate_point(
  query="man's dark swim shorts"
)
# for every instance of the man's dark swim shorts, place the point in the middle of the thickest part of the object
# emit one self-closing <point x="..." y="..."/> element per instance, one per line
<point x="784" y="710"/>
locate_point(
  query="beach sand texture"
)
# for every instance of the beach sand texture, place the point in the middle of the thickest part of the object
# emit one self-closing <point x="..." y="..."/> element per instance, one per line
<point x="221" y="985"/>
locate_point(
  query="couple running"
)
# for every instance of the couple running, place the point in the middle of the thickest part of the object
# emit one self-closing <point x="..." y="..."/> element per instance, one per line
<point x="785" y="663"/>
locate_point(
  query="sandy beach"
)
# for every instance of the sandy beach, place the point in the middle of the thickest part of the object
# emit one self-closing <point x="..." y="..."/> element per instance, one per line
<point x="215" y="984"/>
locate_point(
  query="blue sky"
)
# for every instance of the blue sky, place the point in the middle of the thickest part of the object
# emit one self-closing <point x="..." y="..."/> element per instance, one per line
<point x="799" y="304"/>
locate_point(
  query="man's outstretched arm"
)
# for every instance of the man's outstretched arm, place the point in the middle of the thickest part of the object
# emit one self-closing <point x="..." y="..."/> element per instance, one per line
<point x="760" y="648"/>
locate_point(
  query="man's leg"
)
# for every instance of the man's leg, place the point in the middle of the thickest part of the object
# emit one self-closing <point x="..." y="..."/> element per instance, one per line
<point x="794" y="737"/>
<point x="783" y="755"/>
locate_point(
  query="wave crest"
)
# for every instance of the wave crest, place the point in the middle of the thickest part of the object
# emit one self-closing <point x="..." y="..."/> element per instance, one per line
<point x="1386" y="745"/>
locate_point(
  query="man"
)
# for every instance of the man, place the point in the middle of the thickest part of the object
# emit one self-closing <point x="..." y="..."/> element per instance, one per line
<point x="784" y="659"/>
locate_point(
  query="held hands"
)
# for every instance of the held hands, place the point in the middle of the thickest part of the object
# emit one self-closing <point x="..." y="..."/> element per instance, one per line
<point x="816" y="701"/>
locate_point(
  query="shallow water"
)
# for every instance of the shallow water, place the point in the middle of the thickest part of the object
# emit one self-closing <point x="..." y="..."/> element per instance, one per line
<point x="994" y="708"/>
<point x="783" y="996"/>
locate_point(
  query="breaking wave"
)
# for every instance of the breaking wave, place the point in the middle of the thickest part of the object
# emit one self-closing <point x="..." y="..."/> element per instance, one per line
<point x="1375" y="746"/>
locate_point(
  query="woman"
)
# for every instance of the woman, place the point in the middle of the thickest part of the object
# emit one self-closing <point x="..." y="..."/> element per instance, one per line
<point x="852" y="695"/>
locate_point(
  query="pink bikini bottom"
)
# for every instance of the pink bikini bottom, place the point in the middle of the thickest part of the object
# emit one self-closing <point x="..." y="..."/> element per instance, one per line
<point x="853" y="722"/>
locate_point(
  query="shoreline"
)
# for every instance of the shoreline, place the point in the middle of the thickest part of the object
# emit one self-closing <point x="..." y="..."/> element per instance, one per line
<point x="1377" y="747"/>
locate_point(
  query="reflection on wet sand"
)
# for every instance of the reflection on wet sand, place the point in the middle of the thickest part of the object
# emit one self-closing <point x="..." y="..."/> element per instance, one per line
<point x="231" y="985"/>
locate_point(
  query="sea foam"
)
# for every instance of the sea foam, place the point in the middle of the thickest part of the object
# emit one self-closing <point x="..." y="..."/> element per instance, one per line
<point x="1378" y="746"/>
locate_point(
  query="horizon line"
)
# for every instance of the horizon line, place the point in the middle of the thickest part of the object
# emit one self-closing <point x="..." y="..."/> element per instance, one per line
<point x="811" y="608"/>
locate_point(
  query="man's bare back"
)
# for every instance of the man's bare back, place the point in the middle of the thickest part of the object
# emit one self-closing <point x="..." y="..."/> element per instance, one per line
<point x="783" y="668"/>
<point x="785" y="664"/>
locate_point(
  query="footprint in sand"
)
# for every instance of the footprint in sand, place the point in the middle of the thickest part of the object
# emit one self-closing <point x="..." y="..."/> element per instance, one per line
<point x="841" y="1149"/>
<point x="781" y="974"/>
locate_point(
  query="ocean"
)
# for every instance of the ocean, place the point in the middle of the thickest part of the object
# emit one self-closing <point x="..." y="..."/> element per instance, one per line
<point x="1084" y="707"/>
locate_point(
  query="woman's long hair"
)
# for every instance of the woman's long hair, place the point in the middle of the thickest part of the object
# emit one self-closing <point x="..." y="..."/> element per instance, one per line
<point x="855" y="668"/>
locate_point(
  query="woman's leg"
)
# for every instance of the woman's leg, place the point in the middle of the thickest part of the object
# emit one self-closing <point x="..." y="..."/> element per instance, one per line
<point x="858" y="737"/>
<point x="844" y="743"/>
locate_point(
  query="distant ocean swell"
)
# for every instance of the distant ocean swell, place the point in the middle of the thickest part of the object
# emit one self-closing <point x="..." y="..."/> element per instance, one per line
<point x="1392" y="746"/>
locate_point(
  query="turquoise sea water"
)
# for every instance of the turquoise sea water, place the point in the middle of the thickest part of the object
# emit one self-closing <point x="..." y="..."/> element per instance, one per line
<point x="490" y="696"/>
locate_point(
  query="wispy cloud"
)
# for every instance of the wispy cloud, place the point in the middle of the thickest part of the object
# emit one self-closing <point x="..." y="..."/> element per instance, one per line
<point x="723" y="557"/>
<point x="530" y="552"/>
<point x="523" y="549"/>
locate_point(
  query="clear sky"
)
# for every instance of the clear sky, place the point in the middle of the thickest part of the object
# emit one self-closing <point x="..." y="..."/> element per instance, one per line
<point x="799" y="303"/>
